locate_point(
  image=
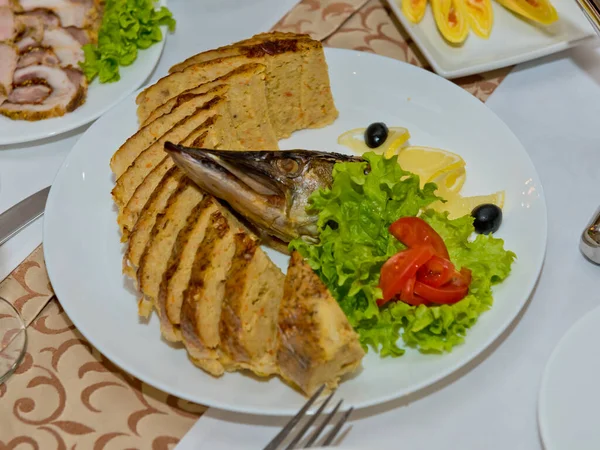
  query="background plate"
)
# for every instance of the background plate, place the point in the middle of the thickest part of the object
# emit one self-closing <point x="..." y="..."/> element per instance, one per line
<point x="512" y="41"/>
<point x="570" y="393"/>
<point x="83" y="252"/>
<point x="100" y="98"/>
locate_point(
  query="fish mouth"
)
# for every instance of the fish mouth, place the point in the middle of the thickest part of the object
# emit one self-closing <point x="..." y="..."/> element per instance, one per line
<point x="243" y="165"/>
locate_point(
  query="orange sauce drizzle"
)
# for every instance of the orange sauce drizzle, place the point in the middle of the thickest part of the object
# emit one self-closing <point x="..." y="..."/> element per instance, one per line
<point x="452" y="19"/>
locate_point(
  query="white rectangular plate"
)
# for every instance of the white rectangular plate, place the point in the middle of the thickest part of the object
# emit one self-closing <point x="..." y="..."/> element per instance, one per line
<point x="513" y="40"/>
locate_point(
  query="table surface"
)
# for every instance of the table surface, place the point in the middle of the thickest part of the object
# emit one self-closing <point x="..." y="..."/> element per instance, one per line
<point x="553" y="106"/>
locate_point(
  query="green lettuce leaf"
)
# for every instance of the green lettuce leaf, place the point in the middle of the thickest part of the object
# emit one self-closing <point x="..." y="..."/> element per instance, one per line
<point x="353" y="220"/>
<point x="127" y="25"/>
<point x="92" y="60"/>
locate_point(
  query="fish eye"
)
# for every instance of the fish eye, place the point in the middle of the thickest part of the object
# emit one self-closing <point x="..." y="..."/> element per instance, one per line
<point x="289" y="166"/>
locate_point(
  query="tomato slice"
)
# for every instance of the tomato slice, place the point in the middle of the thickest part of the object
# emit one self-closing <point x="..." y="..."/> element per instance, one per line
<point x="423" y="274"/>
<point x="465" y="278"/>
<point x="413" y="231"/>
<point x="453" y="291"/>
<point x="445" y="295"/>
<point x="400" y="269"/>
<point x="416" y="301"/>
<point x="436" y="272"/>
<point x="407" y="295"/>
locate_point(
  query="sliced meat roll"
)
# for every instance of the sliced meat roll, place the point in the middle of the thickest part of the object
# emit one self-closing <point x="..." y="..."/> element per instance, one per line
<point x="38" y="56"/>
<point x="31" y="25"/>
<point x="33" y="94"/>
<point x="8" y="25"/>
<point x="47" y="18"/>
<point x="68" y="92"/>
<point x="72" y="13"/>
<point x="82" y="36"/>
<point x="66" y="47"/>
<point x="9" y="57"/>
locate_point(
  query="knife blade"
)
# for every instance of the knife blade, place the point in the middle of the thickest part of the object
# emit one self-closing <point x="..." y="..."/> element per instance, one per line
<point x="22" y="214"/>
<point x="591" y="10"/>
<point x="589" y="244"/>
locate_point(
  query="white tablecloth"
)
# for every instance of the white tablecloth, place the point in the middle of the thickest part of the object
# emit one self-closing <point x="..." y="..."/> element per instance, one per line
<point x="553" y="106"/>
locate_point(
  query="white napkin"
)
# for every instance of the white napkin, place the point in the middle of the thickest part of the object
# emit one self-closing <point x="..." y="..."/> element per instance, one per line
<point x="222" y="430"/>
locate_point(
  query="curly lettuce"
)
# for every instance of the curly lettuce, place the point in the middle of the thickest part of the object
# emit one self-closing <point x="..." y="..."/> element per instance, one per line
<point x="127" y="25"/>
<point x="353" y="220"/>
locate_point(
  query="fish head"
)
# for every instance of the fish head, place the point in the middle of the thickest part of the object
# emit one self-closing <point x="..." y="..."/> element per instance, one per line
<point x="269" y="188"/>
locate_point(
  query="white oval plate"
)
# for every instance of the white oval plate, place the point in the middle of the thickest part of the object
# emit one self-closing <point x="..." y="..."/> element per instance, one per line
<point x="570" y="393"/>
<point x="83" y="252"/>
<point x="100" y="98"/>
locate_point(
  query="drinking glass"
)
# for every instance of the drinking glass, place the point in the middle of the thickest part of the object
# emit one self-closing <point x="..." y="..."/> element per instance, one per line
<point x="13" y="339"/>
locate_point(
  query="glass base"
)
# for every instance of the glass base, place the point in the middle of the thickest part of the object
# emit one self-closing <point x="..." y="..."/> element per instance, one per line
<point x="13" y="339"/>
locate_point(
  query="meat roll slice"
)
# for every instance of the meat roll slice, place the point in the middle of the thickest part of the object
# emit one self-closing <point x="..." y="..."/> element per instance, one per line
<point x="68" y="92"/>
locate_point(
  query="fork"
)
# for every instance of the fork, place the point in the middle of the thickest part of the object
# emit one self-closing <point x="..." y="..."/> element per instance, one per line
<point x="289" y="427"/>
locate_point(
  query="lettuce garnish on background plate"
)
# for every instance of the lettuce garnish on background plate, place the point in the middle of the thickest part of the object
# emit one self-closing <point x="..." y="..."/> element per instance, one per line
<point x="354" y="216"/>
<point x="127" y="25"/>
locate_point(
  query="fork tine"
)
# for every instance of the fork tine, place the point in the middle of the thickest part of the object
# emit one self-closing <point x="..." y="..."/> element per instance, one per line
<point x="309" y="422"/>
<point x="333" y="433"/>
<point x="293" y="421"/>
<point x="326" y="420"/>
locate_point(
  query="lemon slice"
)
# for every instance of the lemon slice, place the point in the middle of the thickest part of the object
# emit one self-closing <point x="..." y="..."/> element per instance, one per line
<point x="450" y="182"/>
<point x="355" y="140"/>
<point x="429" y="163"/>
<point x="458" y="206"/>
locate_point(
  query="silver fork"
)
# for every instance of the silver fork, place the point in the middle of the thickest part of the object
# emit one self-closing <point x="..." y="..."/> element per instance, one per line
<point x="289" y="427"/>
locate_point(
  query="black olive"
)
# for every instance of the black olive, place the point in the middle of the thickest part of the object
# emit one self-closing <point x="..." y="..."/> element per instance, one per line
<point x="376" y="134"/>
<point x="332" y="224"/>
<point x="488" y="218"/>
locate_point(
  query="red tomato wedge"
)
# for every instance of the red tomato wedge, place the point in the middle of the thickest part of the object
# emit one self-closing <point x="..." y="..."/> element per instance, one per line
<point x="412" y="232"/>
<point x="400" y="269"/>
<point x="450" y="293"/>
<point x="444" y="295"/>
<point x="408" y="294"/>
<point x="436" y="272"/>
<point x="423" y="274"/>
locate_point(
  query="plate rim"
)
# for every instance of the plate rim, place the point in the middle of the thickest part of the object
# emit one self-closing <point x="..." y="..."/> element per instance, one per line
<point x="542" y="396"/>
<point x="439" y="377"/>
<point x="34" y="137"/>
<point x="484" y="67"/>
